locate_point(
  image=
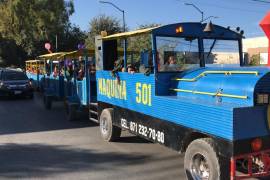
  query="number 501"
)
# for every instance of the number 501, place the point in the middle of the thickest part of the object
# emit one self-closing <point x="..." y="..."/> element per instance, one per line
<point x="143" y="92"/>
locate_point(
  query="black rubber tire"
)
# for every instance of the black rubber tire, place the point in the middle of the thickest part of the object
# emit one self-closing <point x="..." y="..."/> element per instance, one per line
<point x="71" y="112"/>
<point x="111" y="133"/>
<point x="204" y="147"/>
<point x="47" y="102"/>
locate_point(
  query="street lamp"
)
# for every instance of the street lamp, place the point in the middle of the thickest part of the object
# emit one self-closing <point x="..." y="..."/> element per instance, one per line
<point x="123" y="12"/>
<point x="198" y="9"/>
<point x="215" y="17"/>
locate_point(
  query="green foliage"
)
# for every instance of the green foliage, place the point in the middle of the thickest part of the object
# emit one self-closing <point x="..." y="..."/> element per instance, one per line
<point x="71" y="38"/>
<point x="139" y="43"/>
<point x="255" y="60"/>
<point x="31" y="23"/>
<point x="9" y="50"/>
<point x="102" y="23"/>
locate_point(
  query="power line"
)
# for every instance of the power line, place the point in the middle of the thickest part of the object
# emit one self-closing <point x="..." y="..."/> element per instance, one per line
<point x="230" y="8"/>
<point x="262" y="1"/>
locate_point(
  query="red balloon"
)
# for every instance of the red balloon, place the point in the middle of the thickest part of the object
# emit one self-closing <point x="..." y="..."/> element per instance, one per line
<point x="47" y="46"/>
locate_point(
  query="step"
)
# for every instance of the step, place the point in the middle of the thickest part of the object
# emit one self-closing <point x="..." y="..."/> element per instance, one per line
<point x="94" y="104"/>
<point x="93" y="112"/>
<point x="93" y="119"/>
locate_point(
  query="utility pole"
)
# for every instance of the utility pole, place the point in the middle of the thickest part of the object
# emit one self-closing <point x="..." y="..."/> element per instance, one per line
<point x="121" y="10"/>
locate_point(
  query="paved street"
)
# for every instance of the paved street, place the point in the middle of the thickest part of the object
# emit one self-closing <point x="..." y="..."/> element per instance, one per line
<point x="40" y="144"/>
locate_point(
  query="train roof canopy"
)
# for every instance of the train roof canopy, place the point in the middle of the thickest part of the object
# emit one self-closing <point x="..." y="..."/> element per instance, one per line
<point x="31" y="61"/>
<point x="51" y="55"/>
<point x="185" y="29"/>
<point x="75" y="54"/>
<point x="129" y="34"/>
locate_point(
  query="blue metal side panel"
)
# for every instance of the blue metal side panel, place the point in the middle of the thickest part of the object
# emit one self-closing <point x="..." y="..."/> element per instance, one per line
<point x="28" y="74"/>
<point x="164" y="82"/>
<point x="235" y="84"/>
<point x="61" y="86"/>
<point x="68" y="87"/>
<point x="250" y="122"/>
<point x="81" y="90"/>
<point x="211" y="118"/>
<point x="55" y="86"/>
<point x="34" y="77"/>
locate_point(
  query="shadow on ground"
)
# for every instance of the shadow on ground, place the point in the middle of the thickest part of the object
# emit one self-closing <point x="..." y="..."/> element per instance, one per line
<point x="20" y="115"/>
<point x="132" y="139"/>
<point x="19" y="161"/>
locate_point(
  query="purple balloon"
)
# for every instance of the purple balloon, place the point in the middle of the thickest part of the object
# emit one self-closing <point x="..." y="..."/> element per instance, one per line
<point x="81" y="46"/>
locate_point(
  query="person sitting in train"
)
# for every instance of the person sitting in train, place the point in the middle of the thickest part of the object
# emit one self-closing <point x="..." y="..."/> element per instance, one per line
<point x="172" y="65"/>
<point x="131" y="69"/>
<point x="38" y="70"/>
<point x="92" y="68"/>
<point x="147" y="69"/>
<point x="118" y="67"/>
<point x="55" y="71"/>
<point x="62" y="71"/>
<point x="80" y="74"/>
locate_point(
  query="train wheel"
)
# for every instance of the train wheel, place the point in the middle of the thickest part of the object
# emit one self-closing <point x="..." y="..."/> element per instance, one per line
<point x="201" y="161"/>
<point x="109" y="132"/>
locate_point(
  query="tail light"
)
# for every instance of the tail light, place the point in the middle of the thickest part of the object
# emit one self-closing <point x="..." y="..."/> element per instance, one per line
<point x="256" y="144"/>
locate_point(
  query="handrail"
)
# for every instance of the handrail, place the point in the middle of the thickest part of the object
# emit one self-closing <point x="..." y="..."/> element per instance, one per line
<point x="210" y="93"/>
<point x="215" y="72"/>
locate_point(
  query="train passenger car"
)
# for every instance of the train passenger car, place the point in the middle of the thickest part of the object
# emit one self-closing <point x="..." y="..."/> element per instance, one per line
<point x="187" y="95"/>
<point x="53" y="82"/>
<point x="35" y="70"/>
<point x="80" y="67"/>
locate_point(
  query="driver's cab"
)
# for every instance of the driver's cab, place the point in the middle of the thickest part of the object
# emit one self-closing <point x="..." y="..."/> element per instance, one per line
<point x="187" y="50"/>
<point x="162" y="54"/>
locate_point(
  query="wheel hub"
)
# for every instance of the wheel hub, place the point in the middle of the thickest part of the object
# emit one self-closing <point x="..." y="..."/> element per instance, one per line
<point x="104" y="126"/>
<point x="200" y="168"/>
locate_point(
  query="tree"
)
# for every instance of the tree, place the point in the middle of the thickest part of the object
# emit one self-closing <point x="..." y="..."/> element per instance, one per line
<point x="255" y="60"/>
<point x="102" y="23"/>
<point x="70" y="39"/>
<point x="138" y="43"/>
<point x="31" y="23"/>
<point x="9" y="50"/>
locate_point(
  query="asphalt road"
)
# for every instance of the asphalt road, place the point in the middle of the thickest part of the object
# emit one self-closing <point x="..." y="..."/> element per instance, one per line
<point x="39" y="144"/>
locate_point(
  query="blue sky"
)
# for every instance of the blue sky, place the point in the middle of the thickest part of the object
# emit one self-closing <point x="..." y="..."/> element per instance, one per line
<point x="243" y="13"/>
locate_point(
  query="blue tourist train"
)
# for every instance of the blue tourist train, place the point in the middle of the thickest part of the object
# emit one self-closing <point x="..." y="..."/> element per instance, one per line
<point x="190" y="91"/>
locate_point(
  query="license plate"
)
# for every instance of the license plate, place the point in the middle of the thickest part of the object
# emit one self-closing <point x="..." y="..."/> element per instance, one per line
<point x="17" y="92"/>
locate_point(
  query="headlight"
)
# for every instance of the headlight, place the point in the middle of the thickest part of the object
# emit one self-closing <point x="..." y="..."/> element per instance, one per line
<point x="2" y="85"/>
<point x="262" y="98"/>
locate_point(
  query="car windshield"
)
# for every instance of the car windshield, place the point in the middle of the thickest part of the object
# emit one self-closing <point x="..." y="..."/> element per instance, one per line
<point x="9" y="76"/>
<point x="221" y="52"/>
<point x="177" y="53"/>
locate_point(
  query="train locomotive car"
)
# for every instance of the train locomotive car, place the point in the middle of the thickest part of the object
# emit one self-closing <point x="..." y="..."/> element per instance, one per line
<point x="187" y="98"/>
